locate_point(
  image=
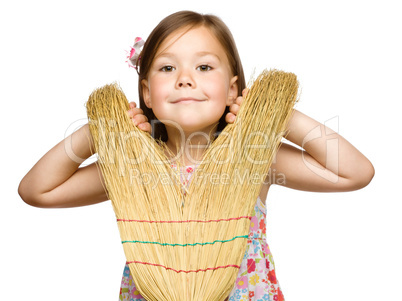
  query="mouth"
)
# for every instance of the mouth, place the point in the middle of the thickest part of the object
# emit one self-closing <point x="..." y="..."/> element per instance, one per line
<point x="186" y="100"/>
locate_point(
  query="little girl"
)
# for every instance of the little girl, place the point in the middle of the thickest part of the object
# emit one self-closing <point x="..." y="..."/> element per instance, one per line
<point x="190" y="82"/>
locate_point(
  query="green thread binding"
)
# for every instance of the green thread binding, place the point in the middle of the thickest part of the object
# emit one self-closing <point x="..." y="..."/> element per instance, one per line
<point x="182" y="245"/>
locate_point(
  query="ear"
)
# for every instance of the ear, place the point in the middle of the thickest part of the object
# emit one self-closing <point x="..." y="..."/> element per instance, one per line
<point x="145" y="93"/>
<point x="232" y="95"/>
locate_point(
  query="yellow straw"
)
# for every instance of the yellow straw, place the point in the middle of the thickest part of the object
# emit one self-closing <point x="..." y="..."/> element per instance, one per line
<point x="189" y="246"/>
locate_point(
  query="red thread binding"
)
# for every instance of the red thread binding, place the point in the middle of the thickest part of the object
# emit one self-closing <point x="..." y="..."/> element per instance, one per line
<point x="190" y="271"/>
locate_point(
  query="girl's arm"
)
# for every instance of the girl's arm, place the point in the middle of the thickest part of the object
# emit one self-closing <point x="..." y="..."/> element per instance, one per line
<point x="55" y="181"/>
<point x="327" y="161"/>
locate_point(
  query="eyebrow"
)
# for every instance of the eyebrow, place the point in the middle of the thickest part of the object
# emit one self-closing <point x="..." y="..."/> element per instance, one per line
<point x="206" y="53"/>
<point x="198" y="54"/>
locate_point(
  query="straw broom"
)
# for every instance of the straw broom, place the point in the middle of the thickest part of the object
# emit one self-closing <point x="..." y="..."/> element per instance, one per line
<point x="189" y="247"/>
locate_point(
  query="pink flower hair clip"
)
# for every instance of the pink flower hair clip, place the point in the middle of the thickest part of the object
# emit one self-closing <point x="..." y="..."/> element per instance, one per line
<point x="134" y="55"/>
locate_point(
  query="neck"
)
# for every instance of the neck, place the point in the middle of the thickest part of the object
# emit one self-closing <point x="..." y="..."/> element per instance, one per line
<point x="188" y="147"/>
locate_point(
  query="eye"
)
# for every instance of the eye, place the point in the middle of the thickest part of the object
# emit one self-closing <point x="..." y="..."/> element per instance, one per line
<point x="204" y="68"/>
<point x="167" y="68"/>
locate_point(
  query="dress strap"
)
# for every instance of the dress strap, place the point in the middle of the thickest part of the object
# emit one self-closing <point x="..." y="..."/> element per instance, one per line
<point x="260" y="205"/>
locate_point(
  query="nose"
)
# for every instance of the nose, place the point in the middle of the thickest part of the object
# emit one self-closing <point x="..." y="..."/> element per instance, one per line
<point x="185" y="80"/>
<point x="183" y="84"/>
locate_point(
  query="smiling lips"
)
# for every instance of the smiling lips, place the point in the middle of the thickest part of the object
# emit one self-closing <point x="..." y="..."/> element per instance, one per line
<point x="186" y="100"/>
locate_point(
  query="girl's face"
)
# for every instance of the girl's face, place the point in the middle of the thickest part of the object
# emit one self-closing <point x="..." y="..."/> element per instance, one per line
<point x="190" y="82"/>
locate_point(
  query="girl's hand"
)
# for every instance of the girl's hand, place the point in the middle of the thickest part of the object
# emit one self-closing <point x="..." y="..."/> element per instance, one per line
<point x="235" y="107"/>
<point x="138" y="118"/>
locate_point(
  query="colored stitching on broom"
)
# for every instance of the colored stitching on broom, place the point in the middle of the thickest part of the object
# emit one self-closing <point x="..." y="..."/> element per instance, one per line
<point x="182" y="245"/>
<point x="188" y="221"/>
<point x="183" y="271"/>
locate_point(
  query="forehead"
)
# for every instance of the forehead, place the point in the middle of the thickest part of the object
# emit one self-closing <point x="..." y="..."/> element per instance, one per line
<point x="192" y="40"/>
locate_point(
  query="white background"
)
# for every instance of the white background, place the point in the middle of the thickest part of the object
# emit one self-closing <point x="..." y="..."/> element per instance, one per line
<point x="347" y="55"/>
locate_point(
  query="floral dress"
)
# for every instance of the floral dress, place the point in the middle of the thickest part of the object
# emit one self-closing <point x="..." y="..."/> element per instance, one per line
<point x="256" y="280"/>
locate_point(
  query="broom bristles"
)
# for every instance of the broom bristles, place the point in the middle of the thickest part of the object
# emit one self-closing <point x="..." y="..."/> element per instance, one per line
<point x="191" y="251"/>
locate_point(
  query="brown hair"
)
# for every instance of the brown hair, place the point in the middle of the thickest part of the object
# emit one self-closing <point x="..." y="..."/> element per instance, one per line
<point x="166" y="27"/>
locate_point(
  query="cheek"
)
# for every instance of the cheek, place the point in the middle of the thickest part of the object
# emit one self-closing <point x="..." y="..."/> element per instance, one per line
<point x="156" y="88"/>
<point x="218" y="86"/>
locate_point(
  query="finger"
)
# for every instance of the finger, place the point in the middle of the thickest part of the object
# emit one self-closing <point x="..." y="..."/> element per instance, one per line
<point x="234" y="108"/>
<point x="137" y="111"/>
<point x="230" y="118"/>
<point x="245" y="92"/>
<point x="137" y="119"/>
<point x="239" y="100"/>
<point x="134" y="111"/>
<point x="146" y="127"/>
<point x="132" y="104"/>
